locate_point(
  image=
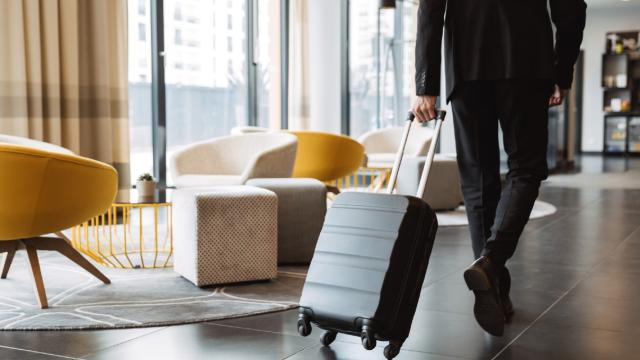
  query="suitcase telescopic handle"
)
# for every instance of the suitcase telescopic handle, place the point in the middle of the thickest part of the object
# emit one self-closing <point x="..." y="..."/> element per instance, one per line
<point x="431" y="154"/>
<point x="440" y="115"/>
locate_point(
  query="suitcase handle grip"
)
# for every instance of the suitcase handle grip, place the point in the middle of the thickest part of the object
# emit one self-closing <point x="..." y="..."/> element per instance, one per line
<point x="440" y="115"/>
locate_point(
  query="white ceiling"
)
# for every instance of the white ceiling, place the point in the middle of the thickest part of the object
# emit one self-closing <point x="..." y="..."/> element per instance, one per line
<point x="612" y="3"/>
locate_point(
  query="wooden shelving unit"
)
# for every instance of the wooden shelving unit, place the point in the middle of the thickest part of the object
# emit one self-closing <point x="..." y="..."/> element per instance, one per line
<point x="621" y="93"/>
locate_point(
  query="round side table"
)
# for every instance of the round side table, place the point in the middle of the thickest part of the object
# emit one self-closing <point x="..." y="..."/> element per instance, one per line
<point x="135" y="233"/>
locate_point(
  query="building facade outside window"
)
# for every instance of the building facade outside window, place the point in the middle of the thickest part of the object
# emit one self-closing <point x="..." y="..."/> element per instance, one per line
<point x="206" y="85"/>
<point x="380" y="64"/>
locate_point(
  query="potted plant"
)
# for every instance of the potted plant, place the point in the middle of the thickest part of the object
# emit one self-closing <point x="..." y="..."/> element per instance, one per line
<point x="146" y="185"/>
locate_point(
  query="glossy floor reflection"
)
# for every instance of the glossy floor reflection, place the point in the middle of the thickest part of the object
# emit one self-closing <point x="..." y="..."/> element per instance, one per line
<point x="575" y="287"/>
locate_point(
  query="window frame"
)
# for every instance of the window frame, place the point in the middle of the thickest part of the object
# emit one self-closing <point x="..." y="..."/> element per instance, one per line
<point x="399" y="83"/>
<point x="158" y="84"/>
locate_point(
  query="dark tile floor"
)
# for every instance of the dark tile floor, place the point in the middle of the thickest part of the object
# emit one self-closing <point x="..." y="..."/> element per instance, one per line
<point x="575" y="285"/>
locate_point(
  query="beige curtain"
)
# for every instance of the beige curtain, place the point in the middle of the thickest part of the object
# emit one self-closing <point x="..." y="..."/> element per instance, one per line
<point x="299" y="66"/>
<point x="63" y="76"/>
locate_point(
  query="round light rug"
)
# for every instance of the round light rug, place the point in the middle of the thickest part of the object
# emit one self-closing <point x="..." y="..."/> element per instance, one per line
<point x="458" y="217"/>
<point x="135" y="298"/>
<point x="609" y="180"/>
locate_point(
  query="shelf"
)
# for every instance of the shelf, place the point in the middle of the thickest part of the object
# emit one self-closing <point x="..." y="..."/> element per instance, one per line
<point x="621" y="104"/>
<point x="632" y="55"/>
<point x="621" y="113"/>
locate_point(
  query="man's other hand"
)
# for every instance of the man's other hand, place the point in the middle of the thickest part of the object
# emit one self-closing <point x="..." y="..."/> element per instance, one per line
<point x="425" y="108"/>
<point x="557" y="97"/>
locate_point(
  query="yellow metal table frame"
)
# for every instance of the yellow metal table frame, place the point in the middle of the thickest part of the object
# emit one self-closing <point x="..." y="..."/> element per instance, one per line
<point x="377" y="179"/>
<point x="113" y="240"/>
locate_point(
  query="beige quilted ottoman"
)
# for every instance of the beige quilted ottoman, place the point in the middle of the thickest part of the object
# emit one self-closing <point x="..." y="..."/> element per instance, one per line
<point x="225" y="234"/>
<point x="443" y="189"/>
<point x="302" y="204"/>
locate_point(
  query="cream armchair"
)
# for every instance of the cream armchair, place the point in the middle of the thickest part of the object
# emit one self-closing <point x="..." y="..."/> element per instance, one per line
<point x="232" y="160"/>
<point x="382" y="145"/>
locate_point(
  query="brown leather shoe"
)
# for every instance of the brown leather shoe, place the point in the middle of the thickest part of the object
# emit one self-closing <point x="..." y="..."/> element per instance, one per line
<point x="482" y="280"/>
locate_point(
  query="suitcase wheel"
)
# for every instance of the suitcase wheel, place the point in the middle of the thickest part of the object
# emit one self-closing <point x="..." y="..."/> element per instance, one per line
<point x="328" y="337"/>
<point x="304" y="325"/>
<point x="392" y="350"/>
<point x="367" y="338"/>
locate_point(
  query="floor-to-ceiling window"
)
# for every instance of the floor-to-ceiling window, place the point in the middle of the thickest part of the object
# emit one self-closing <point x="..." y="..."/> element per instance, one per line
<point x="209" y="71"/>
<point x="381" y="50"/>
<point x="140" y="87"/>
<point x="408" y="11"/>
<point x="368" y="30"/>
<point x="267" y="63"/>
<point x="205" y="69"/>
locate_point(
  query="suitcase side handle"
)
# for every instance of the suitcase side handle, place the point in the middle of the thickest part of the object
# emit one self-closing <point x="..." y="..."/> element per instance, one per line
<point x="440" y="115"/>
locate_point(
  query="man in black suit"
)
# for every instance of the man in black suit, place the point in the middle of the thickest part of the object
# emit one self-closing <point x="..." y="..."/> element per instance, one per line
<point x="501" y="68"/>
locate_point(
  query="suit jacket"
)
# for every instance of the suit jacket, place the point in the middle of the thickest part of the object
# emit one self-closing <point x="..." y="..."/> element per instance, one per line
<point x="497" y="39"/>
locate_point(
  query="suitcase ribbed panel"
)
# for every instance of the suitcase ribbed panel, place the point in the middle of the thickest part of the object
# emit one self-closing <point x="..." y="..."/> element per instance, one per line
<point x="370" y="261"/>
<point x="352" y="255"/>
<point x="351" y="244"/>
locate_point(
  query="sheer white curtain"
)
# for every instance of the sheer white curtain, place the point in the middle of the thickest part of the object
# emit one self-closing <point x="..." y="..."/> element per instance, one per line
<point x="63" y="76"/>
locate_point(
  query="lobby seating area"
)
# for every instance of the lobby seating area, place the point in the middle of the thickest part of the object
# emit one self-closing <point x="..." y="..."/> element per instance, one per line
<point x="232" y="160"/>
<point x="167" y="168"/>
<point x="571" y="306"/>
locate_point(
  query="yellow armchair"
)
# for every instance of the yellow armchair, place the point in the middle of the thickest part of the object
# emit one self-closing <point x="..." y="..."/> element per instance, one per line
<point x="326" y="156"/>
<point x="44" y="192"/>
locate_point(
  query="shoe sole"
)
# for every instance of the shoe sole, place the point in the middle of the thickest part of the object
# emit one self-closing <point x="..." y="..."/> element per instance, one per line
<point x="487" y="308"/>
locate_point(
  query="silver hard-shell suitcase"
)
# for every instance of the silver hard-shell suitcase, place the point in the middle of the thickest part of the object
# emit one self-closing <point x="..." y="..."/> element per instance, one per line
<point x="370" y="262"/>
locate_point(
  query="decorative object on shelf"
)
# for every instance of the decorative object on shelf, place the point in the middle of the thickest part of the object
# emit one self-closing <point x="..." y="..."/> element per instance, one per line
<point x="146" y="185"/>
<point x="612" y="39"/>
<point x="135" y="233"/>
<point x="609" y="81"/>
<point x="619" y="42"/>
<point x="616" y="104"/>
<point x="621" y="80"/>
<point x="630" y="44"/>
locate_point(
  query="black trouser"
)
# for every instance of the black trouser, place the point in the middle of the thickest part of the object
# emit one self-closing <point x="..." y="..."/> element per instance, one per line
<point x="496" y="219"/>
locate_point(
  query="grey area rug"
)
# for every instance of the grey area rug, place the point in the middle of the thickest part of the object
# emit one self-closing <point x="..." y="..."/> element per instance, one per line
<point x="135" y="298"/>
<point x="458" y="217"/>
<point x="621" y="180"/>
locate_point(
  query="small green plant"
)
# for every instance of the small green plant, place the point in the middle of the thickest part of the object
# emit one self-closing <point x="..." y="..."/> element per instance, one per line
<point x="145" y="177"/>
